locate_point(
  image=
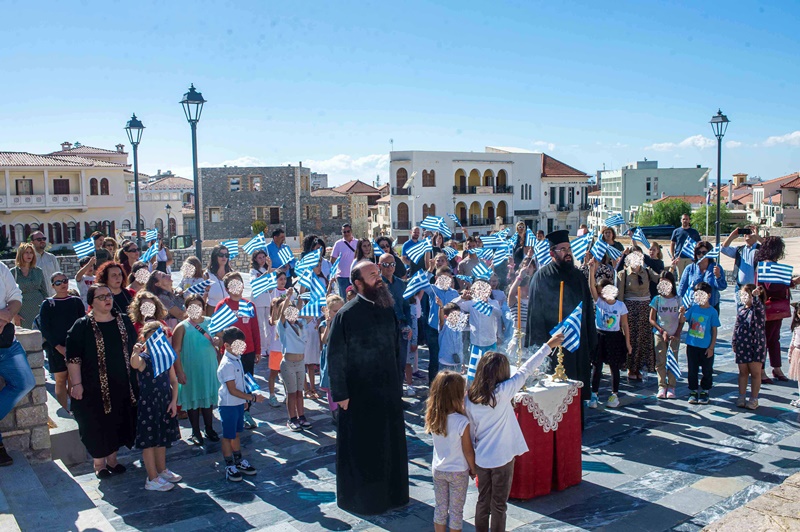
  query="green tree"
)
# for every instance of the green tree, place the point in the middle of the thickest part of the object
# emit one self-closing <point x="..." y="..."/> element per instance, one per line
<point x="645" y="216"/>
<point x="667" y="212"/>
<point x="258" y="226"/>
<point x="725" y="225"/>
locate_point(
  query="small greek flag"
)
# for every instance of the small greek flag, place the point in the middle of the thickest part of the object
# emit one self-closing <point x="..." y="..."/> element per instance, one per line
<point x="250" y="384"/>
<point x="475" y="354"/>
<point x="615" y="220"/>
<point x="313" y="283"/>
<point x="432" y="223"/>
<point x="150" y="253"/>
<point x="335" y="268"/>
<point x="613" y="252"/>
<point x="688" y="248"/>
<point x="222" y="318"/>
<point x="455" y="219"/>
<point x="483" y="307"/>
<point x="285" y="255"/>
<point x="530" y="239"/>
<point x="256" y="243"/>
<point x="503" y="233"/>
<point x="418" y="250"/>
<point x="580" y="245"/>
<point x="599" y="250"/>
<point x="84" y="248"/>
<point x="445" y="230"/>
<point x="501" y="255"/>
<point x="713" y="254"/>
<point x="638" y="236"/>
<point x="514" y="240"/>
<point x="263" y="283"/>
<point x="246" y="309"/>
<point x="313" y="308"/>
<point x="199" y="287"/>
<point x="481" y="271"/>
<point x="465" y="278"/>
<point x="484" y="253"/>
<point x="773" y="272"/>
<point x="309" y="262"/>
<point x="542" y="252"/>
<point x="688" y="299"/>
<point x="233" y="247"/>
<point x="493" y="241"/>
<point x="571" y="328"/>
<point x="376" y="249"/>
<point x="419" y="281"/>
<point x="672" y="363"/>
<point x="150" y="235"/>
<point x="162" y="355"/>
<point x="450" y="252"/>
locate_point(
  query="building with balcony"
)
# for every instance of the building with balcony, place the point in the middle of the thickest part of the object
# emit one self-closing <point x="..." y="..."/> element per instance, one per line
<point x="485" y="190"/>
<point x="155" y="194"/>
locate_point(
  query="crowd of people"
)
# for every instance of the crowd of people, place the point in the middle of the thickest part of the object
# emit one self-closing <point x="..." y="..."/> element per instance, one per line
<point x="359" y="355"/>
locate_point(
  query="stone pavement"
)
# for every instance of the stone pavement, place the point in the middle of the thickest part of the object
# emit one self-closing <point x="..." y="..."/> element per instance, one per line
<point x="648" y="465"/>
<point x="777" y="509"/>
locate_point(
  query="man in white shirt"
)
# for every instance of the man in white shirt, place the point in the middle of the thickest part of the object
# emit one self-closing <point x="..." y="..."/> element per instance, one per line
<point x="14" y="368"/>
<point x="345" y="248"/>
<point x="44" y="260"/>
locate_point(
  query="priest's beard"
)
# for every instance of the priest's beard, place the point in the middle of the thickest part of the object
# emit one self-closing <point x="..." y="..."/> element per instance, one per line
<point x="565" y="262"/>
<point x="378" y="294"/>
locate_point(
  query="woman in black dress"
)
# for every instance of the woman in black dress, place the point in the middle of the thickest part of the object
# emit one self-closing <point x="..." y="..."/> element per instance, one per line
<point x="104" y="388"/>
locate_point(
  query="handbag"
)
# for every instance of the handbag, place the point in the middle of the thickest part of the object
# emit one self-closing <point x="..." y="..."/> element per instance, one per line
<point x="777" y="305"/>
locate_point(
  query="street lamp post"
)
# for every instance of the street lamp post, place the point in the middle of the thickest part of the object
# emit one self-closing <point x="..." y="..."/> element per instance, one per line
<point x="134" y="129"/>
<point x="168" y="208"/>
<point x="719" y="123"/>
<point x="192" y="107"/>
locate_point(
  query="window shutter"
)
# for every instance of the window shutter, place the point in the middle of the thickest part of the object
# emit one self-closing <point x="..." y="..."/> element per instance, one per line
<point x="50" y="232"/>
<point x="64" y="233"/>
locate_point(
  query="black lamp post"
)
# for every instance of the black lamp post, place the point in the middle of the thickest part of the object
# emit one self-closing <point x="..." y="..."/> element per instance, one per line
<point x="168" y="208"/>
<point x="134" y="128"/>
<point x="719" y="123"/>
<point x="192" y="107"/>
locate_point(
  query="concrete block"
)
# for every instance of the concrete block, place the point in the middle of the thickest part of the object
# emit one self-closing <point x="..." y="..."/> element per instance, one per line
<point x="25" y="400"/>
<point x="32" y="416"/>
<point x="39" y="395"/>
<point x="31" y="340"/>
<point x="19" y="442"/>
<point x="9" y="422"/>
<point x="38" y="375"/>
<point x="35" y="359"/>
<point x="40" y="438"/>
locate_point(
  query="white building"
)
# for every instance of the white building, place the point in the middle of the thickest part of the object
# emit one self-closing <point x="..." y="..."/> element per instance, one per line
<point x="158" y="192"/>
<point x="484" y="190"/>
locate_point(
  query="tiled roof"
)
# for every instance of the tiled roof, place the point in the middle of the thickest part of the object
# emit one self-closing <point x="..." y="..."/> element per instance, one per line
<point x="385" y="199"/>
<point x="778" y="180"/>
<point x="87" y="161"/>
<point x="170" y="183"/>
<point x="688" y="199"/>
<point x="776" y="199"/>
<point x="794" y="183"/>
<point x="87" y="150"/>
<point x="595" y="193"/>
<point x="356" y="186"/>
<point x="554" y="168"/>
<point x="327" y="192"/>
<point x="19" y="158"/>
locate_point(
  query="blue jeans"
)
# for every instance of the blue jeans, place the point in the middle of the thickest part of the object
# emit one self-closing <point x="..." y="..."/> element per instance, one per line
<point x="344" y="282"/>
<point x="17" y="373"/>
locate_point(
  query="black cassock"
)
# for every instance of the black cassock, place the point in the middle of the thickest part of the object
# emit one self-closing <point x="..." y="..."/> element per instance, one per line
<point x="371" y="454"/>
<point x="543" y="316"/>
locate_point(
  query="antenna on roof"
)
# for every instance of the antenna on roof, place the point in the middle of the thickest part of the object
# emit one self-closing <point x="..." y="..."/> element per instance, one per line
<point x="391" y="143"/>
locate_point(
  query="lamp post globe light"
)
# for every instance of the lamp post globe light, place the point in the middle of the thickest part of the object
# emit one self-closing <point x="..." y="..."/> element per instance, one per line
<point x="168" y="208"/>
<point x="719" y="123"/>
<point x="134" y="129"/>
<point x="193" y="107"/>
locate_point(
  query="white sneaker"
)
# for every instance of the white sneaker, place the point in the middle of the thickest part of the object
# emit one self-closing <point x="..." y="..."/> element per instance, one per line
<point x="409" y="392"/>
<point x="169" y="476"/>
<point x="158" y="484"/>
<point x="613" y="401"/>
<point x="592" y="403"/>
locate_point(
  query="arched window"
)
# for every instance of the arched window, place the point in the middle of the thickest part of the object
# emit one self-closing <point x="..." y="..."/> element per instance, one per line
<point x="72" y="232"/>
<point x="92" y="227"/>
<point x="104" y="187"/>
<point x="106" y="228"/>
<point x="429" y="178"/>
<point x="19" y="234"/>
<point x="93" y="187"/>
<point x="432" y="210"/>
<point x="160" y="225"/>
<point x="57" y="233"/>
<point x="126" y="225"/>
<point x="402" y="216"/>
<point x="424" y="210"/>
<point x="402" y="177"/>
<point x="173" y="227"/>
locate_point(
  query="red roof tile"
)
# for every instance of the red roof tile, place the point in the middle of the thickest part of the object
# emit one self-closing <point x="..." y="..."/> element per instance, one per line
<point x="554" y="168"/>
<point x="87" y="161"/>
<point x="357" y="186"/>
<point x="688" y="199"/>
<point x="794" y="183"/>
<point x="87" y="150"/>
<point x="170" y="183"/>
<point x="19" y="158"/>
<point x="327" y="192"/>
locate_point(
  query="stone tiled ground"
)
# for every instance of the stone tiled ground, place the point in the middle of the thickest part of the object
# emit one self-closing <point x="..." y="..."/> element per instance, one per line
<point x="647" y="466"/>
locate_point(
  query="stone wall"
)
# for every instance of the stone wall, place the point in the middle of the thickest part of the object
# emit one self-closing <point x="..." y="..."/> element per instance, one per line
<point x="25" y="427"/>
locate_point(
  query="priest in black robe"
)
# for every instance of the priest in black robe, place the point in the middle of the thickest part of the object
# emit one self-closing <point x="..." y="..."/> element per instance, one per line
<point x="543" y="305"/>
<point x="365" y="380"/>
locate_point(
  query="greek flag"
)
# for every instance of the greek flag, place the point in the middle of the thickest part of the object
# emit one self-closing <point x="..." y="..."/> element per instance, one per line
<point x="530" y="239"/>
<point x="484" y="253"/>
<point x="199" y="287"/>
<point x="599" y="250"/>
<point x="418" y="250"/>
<point x="688" y="299"/>
<point x="465" y="278"/>
<point x="450" y="252"/>
<point x="309" y="262"/>
<point x="246" y="309"/>
<point x="501" y="255"/>
<point x="773" y="272"/>
<point x="262" y="284"/>
<point x="514" y="240"/>
<point x="419" y="281"/>
<point x="571" y="327"/>
<point x="162" y="355"/>
<point x="638" y="236"/>
<point x="580" y="245"/>
<point x="313" y="283"/>
<point x="475" y="354"/>
<point x="84" y="248"/>
<point x="615" y="220"/>
<point x="483" y="307"/>
<point x="503" y="233"/>
<point x="250" y="384"/>
<point x="335" y="268"/>
<point x="481" y="271"/>
<point x="313" y="308"/>
<point x="613" y="252"/>
<point x="150" y="235"/>
<point x="285" y="255"/>
<point x="493" y="241"/>
<point x="150" y="253"/>
<point x="432" y="223"/>
<point x="688" y="248"/>
<point x="672" y="363"/>
<point x="224" y="317"/>
<point x="542" y="252"/>
<point x="713" y="254"/>
<point x="233" y="247"/>
<point x="376" y="249"/>
<point x="455" y="219"/>
<point x="256" y="243"/>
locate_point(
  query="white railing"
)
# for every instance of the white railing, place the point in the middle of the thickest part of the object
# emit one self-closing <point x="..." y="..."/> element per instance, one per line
<point x="58" y="200"/>
<point x="35" y="201"/>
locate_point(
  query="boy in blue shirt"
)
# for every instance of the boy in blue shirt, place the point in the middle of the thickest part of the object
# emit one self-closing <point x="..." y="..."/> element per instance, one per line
<point x="700" y="340"/>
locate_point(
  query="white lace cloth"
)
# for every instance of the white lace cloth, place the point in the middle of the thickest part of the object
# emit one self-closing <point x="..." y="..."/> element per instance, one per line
<point x="548" y="401"/>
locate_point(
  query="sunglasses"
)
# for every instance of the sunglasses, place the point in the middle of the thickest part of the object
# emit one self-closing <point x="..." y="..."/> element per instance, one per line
<point x="104" y="297"/>
<point x="223" y="255"/>
<point x="388" y="264"/>
<point x="345" y="232"/>
<point x="60" y="282"/>
<point x="134" y="250"/>
<point x="42" y="239"/>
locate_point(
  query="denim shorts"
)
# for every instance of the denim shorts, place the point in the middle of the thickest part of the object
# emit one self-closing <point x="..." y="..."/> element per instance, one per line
<point x="232" y="420"/>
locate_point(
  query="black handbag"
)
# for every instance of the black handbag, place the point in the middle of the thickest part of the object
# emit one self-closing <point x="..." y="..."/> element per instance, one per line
<point x="7" y="336"/>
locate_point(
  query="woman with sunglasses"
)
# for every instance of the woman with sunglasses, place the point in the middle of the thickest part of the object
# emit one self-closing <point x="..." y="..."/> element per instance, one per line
<point x="127" y="256"/>
<point x="218" y="266"/>
<point x="633" y="282"/>
<point x="56" y="317"/>
<point x="703" y="269"/>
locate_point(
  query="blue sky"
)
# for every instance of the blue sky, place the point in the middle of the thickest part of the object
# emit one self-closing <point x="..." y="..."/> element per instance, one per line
<point x="329" y="83"/>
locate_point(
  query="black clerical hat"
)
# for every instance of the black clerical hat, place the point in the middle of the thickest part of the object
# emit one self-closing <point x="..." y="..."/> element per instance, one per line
<point x="558" y="237"/>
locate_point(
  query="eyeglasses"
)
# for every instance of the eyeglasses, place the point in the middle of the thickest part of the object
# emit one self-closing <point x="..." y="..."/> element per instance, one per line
<point x="562" y="250"/>
<point x="104" y="297"/>
<point x="59" y="282"/>
<point x="388" y="264"/>
<point x="41" y="239"/>
<point x="701" y="252"/>
<point x="134" y="250"/>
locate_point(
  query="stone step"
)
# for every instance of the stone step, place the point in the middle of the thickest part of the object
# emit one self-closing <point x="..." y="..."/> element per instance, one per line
<point x="7" y="520"/>
<point x="27" y="498"/>
<point x="65" y="440"/>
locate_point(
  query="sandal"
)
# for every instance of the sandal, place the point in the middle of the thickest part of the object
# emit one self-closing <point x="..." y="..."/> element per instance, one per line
<point x="780" y="376"/>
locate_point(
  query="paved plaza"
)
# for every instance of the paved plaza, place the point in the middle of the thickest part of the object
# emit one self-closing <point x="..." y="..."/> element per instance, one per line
<point x="649" y="465"/>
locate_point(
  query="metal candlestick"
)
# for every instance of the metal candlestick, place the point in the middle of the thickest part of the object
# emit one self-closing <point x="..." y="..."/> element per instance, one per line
<point x="519" y="335"/>
<point x="559" y="375"/>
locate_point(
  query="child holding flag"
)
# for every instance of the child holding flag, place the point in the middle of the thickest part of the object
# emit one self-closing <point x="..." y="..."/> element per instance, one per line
<point x="749" y="342"/>
<point x="275" y="348"/>
<point x="665" y="317"/>
<point x="293" y="369"/>
<point x="700" y="340"/>
<point x="156" y="424"/>
<point x="334" y="303"/>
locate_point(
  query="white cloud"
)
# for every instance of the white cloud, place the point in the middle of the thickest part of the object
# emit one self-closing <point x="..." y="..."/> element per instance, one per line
<point x="342" y="168"/>
<point x="695" y="141"/>
<point x="792" y="139"/>
<point x="733" y="144"/>
<point x="544" y="144"/>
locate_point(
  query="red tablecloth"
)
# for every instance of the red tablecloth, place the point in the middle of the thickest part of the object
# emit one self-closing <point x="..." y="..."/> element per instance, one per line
<point x="553" y="435"/>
